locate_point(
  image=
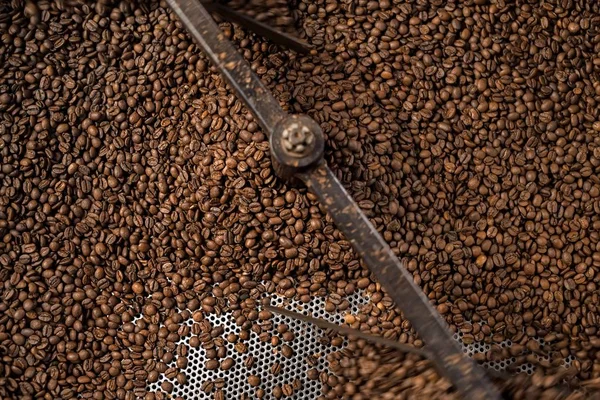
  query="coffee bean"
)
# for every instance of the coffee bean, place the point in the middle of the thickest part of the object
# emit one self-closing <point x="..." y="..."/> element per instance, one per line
<point x="211" y="364"/>
<point x="249" y="361"/>
<point x="137" y="288"/>
<point x="275" y="368"/>
<point x="254" y="380"/>
<point x="287" y="351"/>
<point x="167" y="386"/>
<point x="182" y="362"/>
<point x="287" y="390"/>
<point x="277" y="392"/>
<point x="207" y="386"/>
<point x="194" y="342"/>
<point x="227" y="363"/>
<point x="264" y="315"/>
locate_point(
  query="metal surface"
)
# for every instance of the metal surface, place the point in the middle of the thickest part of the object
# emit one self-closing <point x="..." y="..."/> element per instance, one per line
<point x="306" y="345"/>
<point x="468" y="378"/>
<point x="298" y="140"/>
<point x="309" y="352"/>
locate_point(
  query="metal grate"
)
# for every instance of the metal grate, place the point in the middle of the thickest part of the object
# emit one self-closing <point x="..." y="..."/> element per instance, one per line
<point x="501" y="365"/>
<point x="307" y="343"/>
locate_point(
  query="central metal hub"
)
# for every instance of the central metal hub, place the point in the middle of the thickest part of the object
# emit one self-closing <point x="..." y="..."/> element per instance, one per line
<point x="296" y="144"/>
<point x="297" y="139"/>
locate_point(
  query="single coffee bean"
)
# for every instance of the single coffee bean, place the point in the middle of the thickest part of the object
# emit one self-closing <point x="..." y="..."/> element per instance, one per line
<point x="227" y="363"/>
<point x="254" y="380"/>
<point x="211" y="365"/>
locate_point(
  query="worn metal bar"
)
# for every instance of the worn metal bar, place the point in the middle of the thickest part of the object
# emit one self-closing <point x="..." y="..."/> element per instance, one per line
<point x="274" y="35"/>
<point x="230" y="63"/>
<point x="468" y="378"/>
<point x="351" y="332"/>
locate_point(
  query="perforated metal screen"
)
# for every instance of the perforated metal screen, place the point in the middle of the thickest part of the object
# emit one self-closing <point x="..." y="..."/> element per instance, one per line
<point x="501" y="365"/>
<point x="294" y="369"/>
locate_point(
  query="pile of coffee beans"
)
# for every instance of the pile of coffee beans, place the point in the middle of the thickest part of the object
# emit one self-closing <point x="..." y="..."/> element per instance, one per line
<point x="136" y="190"/>
<point x="362" y="371"/>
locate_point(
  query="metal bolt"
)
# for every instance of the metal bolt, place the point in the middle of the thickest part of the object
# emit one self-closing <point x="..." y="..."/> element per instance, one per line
<point x="296" y="144"/>
<point x="297" y="139"/>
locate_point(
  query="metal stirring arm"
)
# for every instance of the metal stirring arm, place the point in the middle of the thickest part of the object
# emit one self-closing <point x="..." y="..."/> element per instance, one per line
<point x="258" y="27"/>
<point x="297" y="151"/>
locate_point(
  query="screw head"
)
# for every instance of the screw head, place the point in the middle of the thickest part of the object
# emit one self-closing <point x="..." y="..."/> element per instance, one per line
<point x="297" y="139"/>
<point x="296" y="143"/>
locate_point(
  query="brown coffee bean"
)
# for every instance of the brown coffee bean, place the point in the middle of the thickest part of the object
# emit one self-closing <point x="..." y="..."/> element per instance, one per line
<point x="194" y="342"/>
<point x="287" y="351"/>
<point x="264" y="315"/>
<point x="287" y="390"/>
<point x="182" y="362"/>
<point x="254" y="380"/>
<point x="275" y="368"/>
<point x="277" y="392"/>
<point x="137" y="288"/>
<point x="227" y="363"/>
<point x="211" y="364"/>
<point x="167" y="386"/>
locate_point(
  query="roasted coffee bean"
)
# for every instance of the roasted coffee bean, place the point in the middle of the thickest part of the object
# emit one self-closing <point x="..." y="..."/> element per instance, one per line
<point x="207" y="386"/>
<point x="264" y="315"/>
<point x="313" y="374"/>
<point x="275" y="368"/>
<point x="287" y="390"/>
<point x="227" y="363"/>
<point x="254" y="380"/>
<point x="277" y="392"/>
<point x="167" y="386"/>
<point x="288" y="336"/>
<point x="211" y="364"/>
<point x="182" y="362"/>
<point x="287" y="351"/>
<point x="194" y="341"/>
<point x="249" y="361"/>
